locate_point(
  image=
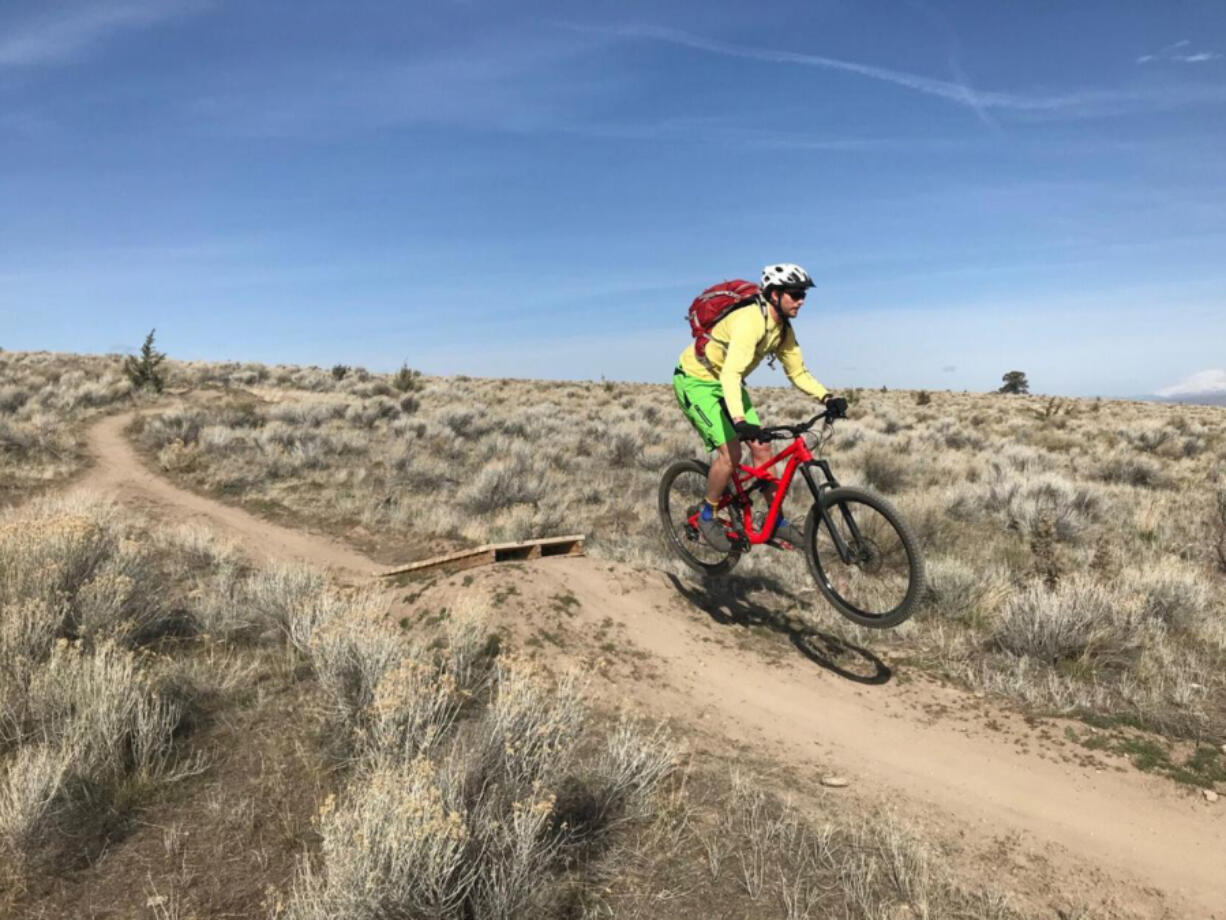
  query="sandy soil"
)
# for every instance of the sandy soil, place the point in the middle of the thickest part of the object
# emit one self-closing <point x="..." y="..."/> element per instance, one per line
<point x="1024" y="808"/>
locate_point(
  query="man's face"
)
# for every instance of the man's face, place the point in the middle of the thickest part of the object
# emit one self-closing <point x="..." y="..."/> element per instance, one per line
<point x="790" y="301"/>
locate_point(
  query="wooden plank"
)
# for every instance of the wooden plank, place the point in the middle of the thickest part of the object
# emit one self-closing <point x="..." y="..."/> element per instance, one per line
<point x="570" y="545"/>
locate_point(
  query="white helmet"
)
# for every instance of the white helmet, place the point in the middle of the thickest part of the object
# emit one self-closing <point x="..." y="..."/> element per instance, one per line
<point x="785" y="275"/>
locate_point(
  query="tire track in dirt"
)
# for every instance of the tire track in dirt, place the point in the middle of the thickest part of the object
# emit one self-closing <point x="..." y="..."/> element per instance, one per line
<point x="1103" y="828"/>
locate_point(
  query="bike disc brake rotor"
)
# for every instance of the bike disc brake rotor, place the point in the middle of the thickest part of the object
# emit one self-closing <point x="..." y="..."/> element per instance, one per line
<point x="875" y="578"/>
<point x="866" y="556"/>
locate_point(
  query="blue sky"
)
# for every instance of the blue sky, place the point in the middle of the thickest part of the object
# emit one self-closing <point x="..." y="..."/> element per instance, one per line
<point x="537" y="189"/>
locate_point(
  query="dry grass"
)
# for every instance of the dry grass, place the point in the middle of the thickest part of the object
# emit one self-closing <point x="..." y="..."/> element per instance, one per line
<point x="44" y="398"/>
<point x="452" y="780"/>
<point x="472" y="790"/>
<point x="1011" y="496"/>
<point x="118" y="641"/>
<point x="87" y="718"/>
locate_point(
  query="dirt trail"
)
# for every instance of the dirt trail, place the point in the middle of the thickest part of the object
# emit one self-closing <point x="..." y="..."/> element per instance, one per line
<point x="977" y="771"/>
<point x="118" y="471"/>
<point x="1123" y="838"/>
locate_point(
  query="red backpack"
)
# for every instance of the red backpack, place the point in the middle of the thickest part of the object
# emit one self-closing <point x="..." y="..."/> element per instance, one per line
<point x="714" y="304"/>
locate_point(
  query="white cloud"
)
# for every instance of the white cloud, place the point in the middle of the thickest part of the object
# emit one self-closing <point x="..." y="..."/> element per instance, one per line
<point x="1080" y="101"/>
<point x="1179" y="53"/>
<point x="57" y="36"/>
<point x="1209" y="381"/>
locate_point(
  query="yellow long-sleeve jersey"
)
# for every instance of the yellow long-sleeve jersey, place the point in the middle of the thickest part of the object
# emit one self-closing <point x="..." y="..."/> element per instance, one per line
<point x="737" y="345"/>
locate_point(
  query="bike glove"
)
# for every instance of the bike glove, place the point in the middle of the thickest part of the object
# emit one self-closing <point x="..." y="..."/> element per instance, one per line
<point x="748" y="431"/>
<point x="836" y="407"/>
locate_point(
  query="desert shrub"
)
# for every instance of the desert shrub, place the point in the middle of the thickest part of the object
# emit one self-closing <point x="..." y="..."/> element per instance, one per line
<point x="417" y="469"/>
<point x="877" y="866"/>
<point x="1215" y="526"/>
<point x="922" y="397"/>
<point x="87" y="722"/>
<point x="14" y="442"/>
<point x="1174" y="595"/>
<point x="240" y="415"/>
<point x="627" y="773"/>
<point x="153" y="432"/>
<point x="412" y="857"/>
<point x="1192" y="446"/>
<point x="12" y="398"/>
<point x="526" y="736"/>
<point x="1147" y="439"/>
<point x="407" y="380"/>
<point x="623" y="450"/>
<point x="339" y="371"/>
<point x="70" y="558"/>
<point x="293" y="598"/>
<point x="962" y="591"/>
<point x="467" y="422"/>
<point x="374" y="388"/>
<point x="95" y="395"/>
<point x="413" y="707"/>
<point x="1076" y="620"/>
<point x="501" y="484"/>
<point x="366" y="413"/>
<point x="350" y="655"/>
<point x="219" y="441"/>
<point x="1021" y="501"/>
<point x="1131" y="471"/>
<point x="467" y="823"/>
<point x="884" y="470"/>
<point x="1022" y="459"/>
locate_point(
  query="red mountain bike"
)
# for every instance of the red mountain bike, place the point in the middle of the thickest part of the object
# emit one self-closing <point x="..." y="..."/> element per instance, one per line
<point x="862" y="554"/>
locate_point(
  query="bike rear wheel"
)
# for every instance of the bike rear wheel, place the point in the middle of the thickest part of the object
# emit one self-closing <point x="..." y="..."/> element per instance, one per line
<point x="682" y="490"/>
<point x="883" y="579"/>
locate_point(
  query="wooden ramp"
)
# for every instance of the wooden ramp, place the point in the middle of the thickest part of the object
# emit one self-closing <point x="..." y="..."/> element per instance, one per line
<point x="497" y="552"/>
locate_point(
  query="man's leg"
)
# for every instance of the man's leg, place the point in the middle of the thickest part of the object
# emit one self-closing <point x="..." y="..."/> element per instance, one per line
<point x="727" y="456"/>
<point x="702" y="403"/>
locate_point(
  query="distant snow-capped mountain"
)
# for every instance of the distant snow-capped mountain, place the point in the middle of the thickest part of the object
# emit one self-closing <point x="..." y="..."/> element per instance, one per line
<point x="1204" y="388"/>
<point x="1197" y="399"/>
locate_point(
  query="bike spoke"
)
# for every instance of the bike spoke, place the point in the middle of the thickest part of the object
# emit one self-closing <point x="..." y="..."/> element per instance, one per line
<point x="682" y="500"/>
<point x="877" y="576"/>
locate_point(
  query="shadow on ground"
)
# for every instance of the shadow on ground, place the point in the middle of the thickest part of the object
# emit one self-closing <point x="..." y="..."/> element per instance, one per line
<point x="728" y="603"/>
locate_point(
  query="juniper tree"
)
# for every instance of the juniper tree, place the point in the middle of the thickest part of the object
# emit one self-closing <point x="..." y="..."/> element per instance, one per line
<point x="1015" y="382"/>
<point x="144" y="372"/>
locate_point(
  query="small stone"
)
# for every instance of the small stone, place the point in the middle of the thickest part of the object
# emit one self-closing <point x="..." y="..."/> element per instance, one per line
<point x="1210" y="795"/>
<point x="834" y="782"/>
<point x="1224" y="748"/>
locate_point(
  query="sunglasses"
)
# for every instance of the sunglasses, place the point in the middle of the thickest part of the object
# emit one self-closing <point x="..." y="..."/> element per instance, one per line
<point x="795" y="293"/>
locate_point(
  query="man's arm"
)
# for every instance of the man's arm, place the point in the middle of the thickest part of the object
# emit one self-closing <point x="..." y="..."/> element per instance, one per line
<point x="794" y="366"/>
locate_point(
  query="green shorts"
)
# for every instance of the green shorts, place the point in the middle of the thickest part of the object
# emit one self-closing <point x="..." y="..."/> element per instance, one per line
<point x="702" y="401"/>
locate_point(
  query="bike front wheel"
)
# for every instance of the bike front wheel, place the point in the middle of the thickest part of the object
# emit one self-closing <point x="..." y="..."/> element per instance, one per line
<point x="682" y="490"/>
<point x="864" y="557"/>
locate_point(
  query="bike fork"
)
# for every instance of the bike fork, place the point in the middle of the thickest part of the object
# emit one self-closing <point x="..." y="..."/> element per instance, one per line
<point x="816" y="488"/>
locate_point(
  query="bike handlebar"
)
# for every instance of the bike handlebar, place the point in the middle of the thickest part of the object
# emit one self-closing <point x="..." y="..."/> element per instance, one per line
<point x="779" y="432"/>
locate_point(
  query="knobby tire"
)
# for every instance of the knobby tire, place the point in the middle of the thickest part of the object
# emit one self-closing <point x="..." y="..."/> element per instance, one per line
<point x="683" y="487"/>
<point x="886" y="540"/>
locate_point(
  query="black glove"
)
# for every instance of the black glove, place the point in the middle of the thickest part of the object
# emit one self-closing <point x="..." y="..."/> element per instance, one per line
<point x="748" y="431"/>
<point x="836" y="407"/>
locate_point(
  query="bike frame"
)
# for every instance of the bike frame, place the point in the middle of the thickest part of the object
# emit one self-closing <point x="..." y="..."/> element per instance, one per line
<point x="748" y="478"/>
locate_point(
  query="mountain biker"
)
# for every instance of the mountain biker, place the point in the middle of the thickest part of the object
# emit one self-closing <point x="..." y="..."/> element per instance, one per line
<point x="711" y="392"/>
